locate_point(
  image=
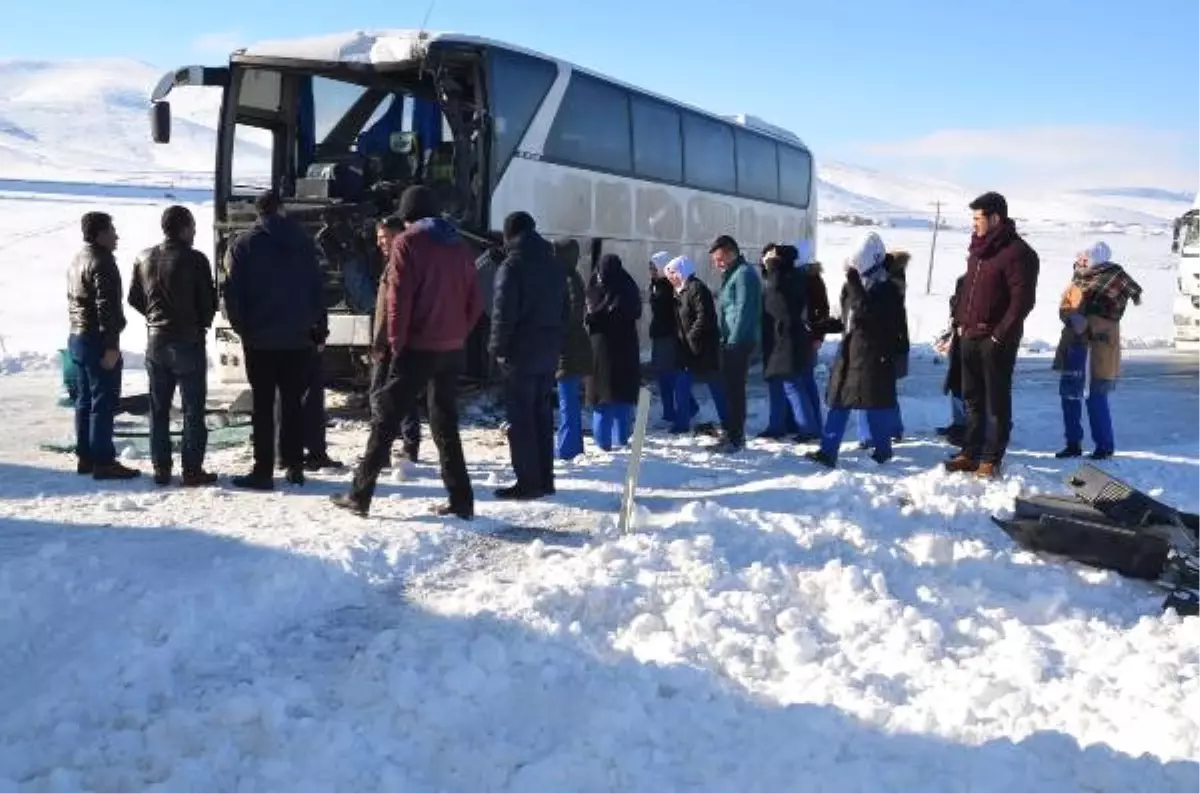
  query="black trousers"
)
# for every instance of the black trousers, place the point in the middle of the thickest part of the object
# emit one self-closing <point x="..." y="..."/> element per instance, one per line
<point x="410" y="424"/>
<point x="530" y="414"/>
<point x="987" y="378"/>
<point x="735" y="370"/>
<point x="285" y="372"/>
<point x="314" y="409"/>
<point x="408" y="375"/>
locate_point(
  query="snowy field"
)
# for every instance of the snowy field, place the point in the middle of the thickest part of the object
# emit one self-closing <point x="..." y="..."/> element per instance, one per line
<point x="769" y="626"/>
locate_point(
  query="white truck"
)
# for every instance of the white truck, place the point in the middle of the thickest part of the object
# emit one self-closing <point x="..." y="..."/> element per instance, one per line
<point x="1186" y="244"/>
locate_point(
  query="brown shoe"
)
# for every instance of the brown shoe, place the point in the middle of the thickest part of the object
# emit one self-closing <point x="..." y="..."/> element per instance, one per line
<point x="197" y="479"/>
<point x="962" y="462"/>
<point x="114" y="471"/>
<point x="988" y="471"/>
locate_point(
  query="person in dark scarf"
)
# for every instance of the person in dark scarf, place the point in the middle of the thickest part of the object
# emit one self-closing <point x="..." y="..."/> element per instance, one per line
<point x="999" y="292"/>
<point x="787" y="349"/>
<point x="614" y="307"/>
<point x="1091" y="310"/>
<point x="816" y="311"/>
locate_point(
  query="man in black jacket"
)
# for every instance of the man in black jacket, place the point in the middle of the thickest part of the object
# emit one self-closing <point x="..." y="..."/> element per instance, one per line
<point x="96" y="321"/>
<point x="172" y="287"/>
<point x="699" y="349"/>
<point x="274" y="300"/>
<point x="528" y="323"/>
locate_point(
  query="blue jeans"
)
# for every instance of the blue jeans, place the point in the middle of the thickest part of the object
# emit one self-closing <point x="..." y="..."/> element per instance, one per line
<point x="608" y="417"/>
<point x="895" y="422"/>
<point x="668" y="381"/>
<point x="790" y="409"/>
<point x="184" y="364"/>
<point x="683" y="394"/>
<point x="880" y="421"/>
<point x="811" y="394"/>
<point x="99" y="392"/>
<point x="1099" y="417"/>
<point x="569" y="441"/>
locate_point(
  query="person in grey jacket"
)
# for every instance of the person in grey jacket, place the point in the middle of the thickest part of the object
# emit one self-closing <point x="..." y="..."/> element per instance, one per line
<point x="274" y="300"/>
<point x="96" y="322"/>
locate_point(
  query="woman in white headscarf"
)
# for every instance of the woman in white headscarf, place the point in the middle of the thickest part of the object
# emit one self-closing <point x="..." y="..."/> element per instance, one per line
<point x="1089" y="351"/>
<point x="873" y="340"/>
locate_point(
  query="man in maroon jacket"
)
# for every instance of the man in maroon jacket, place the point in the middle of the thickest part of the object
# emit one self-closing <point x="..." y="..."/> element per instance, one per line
<point x="998" y="292"/>
<point x="432" y="303"/>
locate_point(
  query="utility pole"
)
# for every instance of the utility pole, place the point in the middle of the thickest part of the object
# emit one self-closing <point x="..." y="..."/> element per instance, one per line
<point x="937" y="221"/>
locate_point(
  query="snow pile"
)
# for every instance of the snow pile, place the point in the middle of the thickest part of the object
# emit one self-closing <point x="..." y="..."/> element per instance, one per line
<point x="770" y="625"/>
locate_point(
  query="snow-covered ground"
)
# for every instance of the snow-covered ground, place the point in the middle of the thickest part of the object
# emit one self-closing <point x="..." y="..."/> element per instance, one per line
<point x="769" y="626"/>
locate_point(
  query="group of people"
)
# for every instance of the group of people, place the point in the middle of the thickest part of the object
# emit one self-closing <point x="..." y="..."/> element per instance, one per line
<point x="549" y="328"/>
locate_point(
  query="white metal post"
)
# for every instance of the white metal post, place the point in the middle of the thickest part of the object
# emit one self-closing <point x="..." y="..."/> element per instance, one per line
<point x="635" y="460"/>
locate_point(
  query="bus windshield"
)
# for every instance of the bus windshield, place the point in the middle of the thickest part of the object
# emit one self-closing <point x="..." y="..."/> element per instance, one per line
<point x="322" y="138"/>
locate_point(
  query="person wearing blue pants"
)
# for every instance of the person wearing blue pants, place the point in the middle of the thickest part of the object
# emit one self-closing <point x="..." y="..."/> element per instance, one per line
<point x="864" y="372"/>
<point x="576" y="360"/>
<point x="816" y="316"/>
<point x="663" y="353"/>
<point x="614" y="307"/>
<point x="699" y="342"/>
<point x="96" y="319"/>
<point x="1090" y="347"/>
<point x="787" y="346"/>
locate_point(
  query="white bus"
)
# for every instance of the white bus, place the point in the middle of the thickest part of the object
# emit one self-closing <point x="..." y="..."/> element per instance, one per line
<point x="345" y="122"/>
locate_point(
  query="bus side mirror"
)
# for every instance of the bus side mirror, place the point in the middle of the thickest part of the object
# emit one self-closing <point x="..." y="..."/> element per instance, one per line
<point x="160" y="122"/>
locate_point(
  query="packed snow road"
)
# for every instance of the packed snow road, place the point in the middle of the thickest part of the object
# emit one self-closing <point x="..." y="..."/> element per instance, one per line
<point x="769" y="626"/>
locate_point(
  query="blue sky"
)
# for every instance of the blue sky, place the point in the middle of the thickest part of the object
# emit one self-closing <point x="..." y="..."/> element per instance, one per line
<point x="1050" y="92"/>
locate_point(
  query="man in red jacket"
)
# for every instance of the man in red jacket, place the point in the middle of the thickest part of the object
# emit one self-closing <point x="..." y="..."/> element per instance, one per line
<point x="432" y="303"/>
<point x="998" y="293"/>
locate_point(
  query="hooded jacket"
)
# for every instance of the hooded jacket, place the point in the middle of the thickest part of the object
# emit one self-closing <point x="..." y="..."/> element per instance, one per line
<point x="433" y="289"/>
<point x="787" y="348"/>
<point x="613" y="310"/>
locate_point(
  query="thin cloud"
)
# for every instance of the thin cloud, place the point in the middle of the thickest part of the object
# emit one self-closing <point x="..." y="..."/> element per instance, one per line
<point x="1052" y="156"/>
<point x="218" y="42"/>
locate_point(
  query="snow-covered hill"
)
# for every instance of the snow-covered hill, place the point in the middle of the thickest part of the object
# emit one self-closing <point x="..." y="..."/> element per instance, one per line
<point x="86" y="120"/>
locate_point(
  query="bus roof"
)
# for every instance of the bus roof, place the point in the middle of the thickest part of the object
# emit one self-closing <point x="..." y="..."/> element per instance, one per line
<point x="395" y="46"/>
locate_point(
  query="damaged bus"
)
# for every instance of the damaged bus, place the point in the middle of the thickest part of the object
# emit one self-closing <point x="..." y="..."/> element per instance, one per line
<point x="342" y="124"/>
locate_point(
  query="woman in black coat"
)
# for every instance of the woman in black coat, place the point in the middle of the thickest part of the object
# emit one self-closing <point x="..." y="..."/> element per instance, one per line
<point x="663" y="332"/>
<point x="896" y="264"/>
<point x="787" y="345"/>
<point x="873" y="339"/>
<point x="614" y="307"/>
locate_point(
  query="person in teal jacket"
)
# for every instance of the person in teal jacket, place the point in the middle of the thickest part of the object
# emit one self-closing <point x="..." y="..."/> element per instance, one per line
<point x="739" y="318"/>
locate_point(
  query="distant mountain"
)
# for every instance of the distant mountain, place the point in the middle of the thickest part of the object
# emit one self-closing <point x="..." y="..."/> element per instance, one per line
<point x="87" y="121"/>
<point x="1139" y="192"/>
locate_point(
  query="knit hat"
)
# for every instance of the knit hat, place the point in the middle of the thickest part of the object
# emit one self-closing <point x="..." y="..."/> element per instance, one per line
<point x="660" y="259"/>
<point x="1097" y="254"/>
<point x="418" y="203"/>
<point x="867" y="258"/>
<point x="680" y="266"/>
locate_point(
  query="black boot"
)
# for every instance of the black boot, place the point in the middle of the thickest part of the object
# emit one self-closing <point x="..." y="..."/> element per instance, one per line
<point x="518" y="493"/>
<point x="465" y="512"/>
<point x="350" y="504"/>
<point x="1069" y="451"/>
<point x="821" y="459"/>
<point x="254" y="481"/>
